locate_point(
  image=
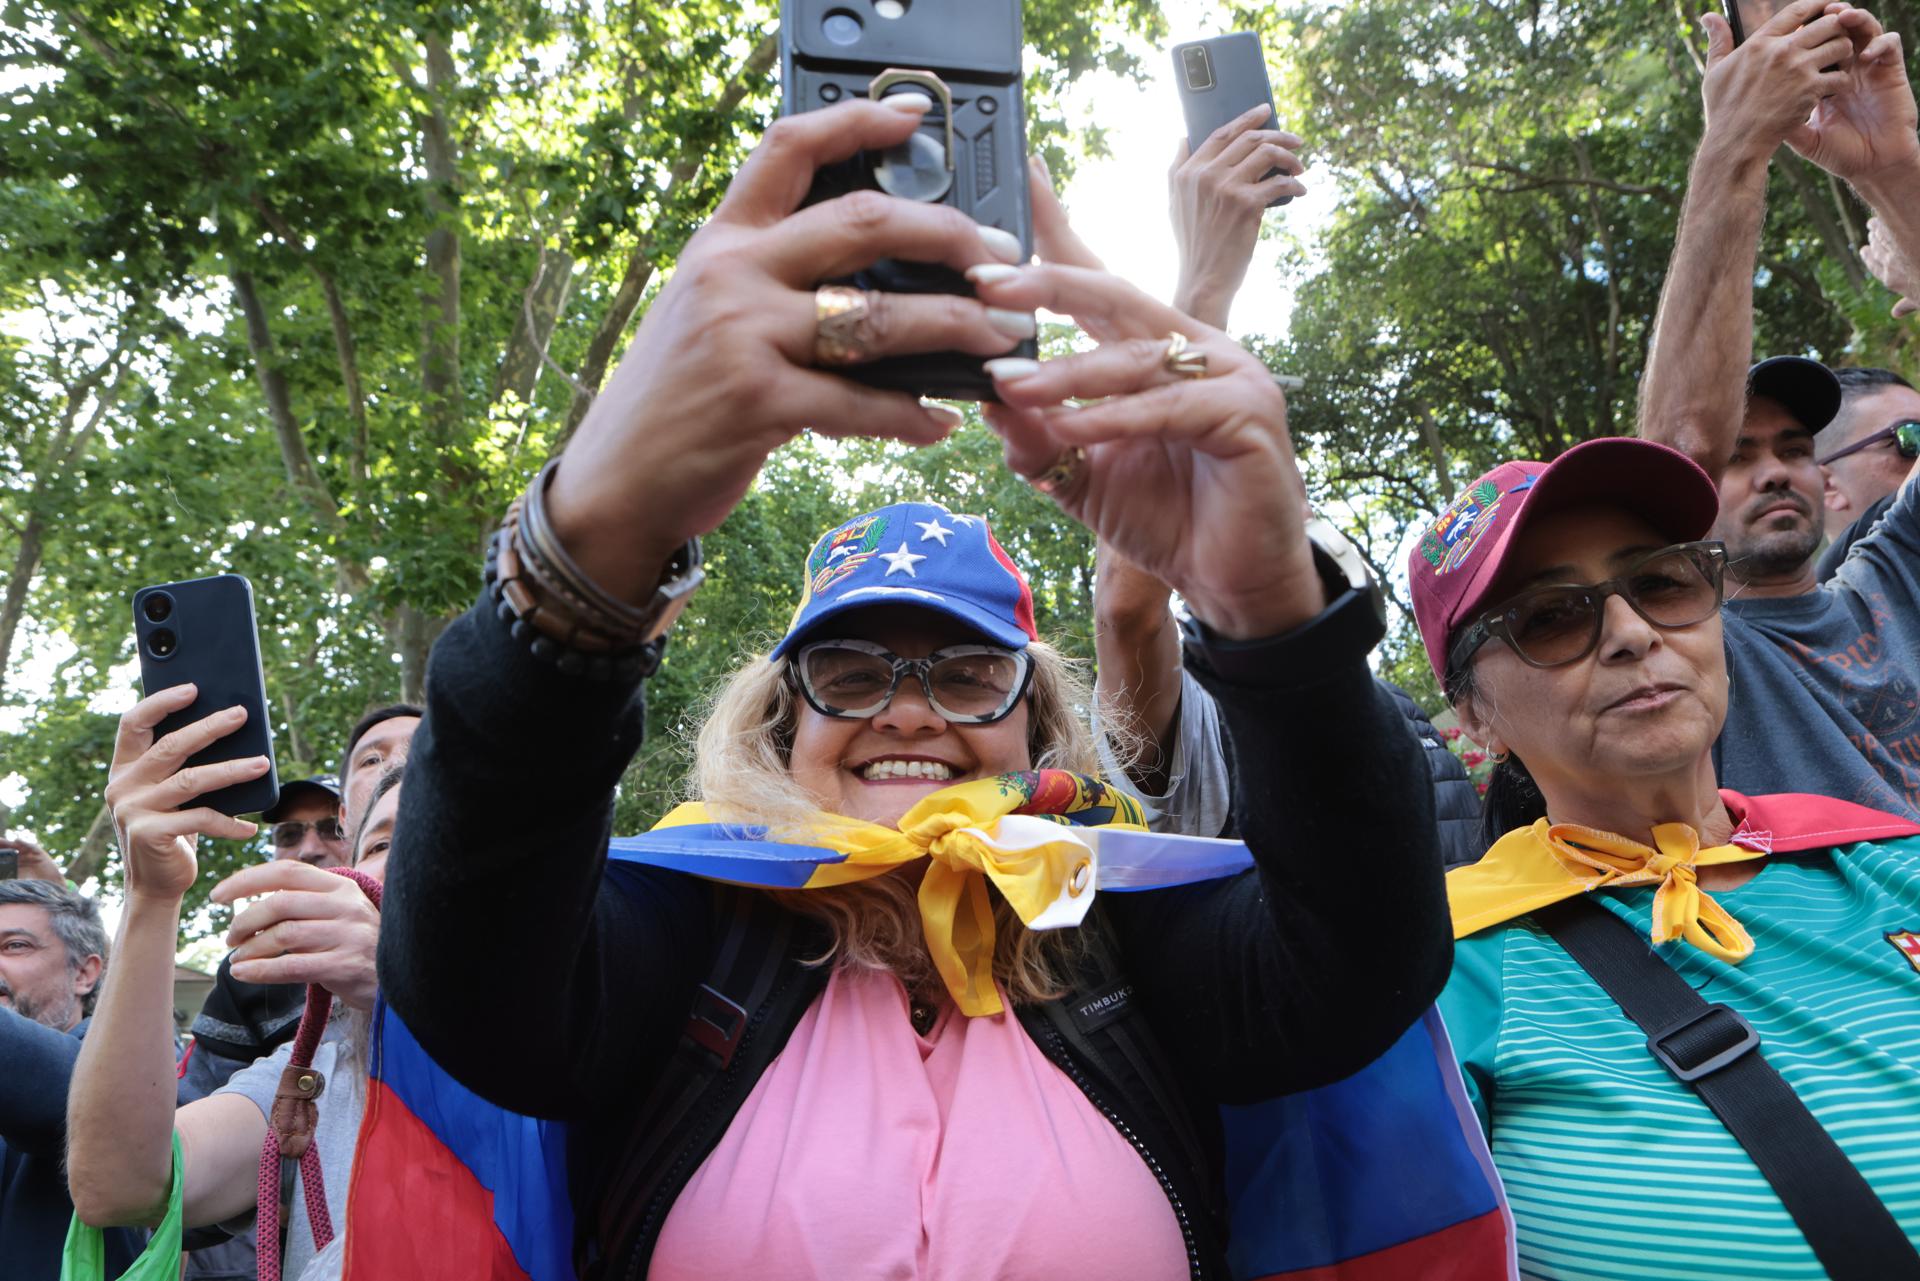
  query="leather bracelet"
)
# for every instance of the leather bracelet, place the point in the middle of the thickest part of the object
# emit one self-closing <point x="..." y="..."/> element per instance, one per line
<point x="554" y="570"/>
<point x="515" y="606"/>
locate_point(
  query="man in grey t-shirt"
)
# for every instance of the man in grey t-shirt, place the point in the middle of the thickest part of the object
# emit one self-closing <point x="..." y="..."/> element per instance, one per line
<point x="1826" y="677"/>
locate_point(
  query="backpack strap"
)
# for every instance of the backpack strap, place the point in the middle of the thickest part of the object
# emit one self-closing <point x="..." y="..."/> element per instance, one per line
<point x="1716" y="1052"/>
<point x="738" y="1021"/>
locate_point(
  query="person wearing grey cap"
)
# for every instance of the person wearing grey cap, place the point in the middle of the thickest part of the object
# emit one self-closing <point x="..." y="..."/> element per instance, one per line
<point x="304" y="823"/>
<point x="1826" y="677"/>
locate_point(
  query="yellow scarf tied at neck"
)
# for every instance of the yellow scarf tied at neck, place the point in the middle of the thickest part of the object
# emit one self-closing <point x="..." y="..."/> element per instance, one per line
<point x="970" y="835"/>
<point x="1531" y="867"/>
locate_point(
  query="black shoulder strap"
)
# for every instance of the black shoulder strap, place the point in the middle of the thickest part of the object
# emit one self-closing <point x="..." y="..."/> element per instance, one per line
<point x="740" y="1018"/>
<point x="1717" y="1052"/>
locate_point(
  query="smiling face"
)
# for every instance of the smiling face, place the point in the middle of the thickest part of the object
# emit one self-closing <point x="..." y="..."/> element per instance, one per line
<point x="1647" y="702"/>
<point x="877" y="769"/>
<point x="1771" y="496"/>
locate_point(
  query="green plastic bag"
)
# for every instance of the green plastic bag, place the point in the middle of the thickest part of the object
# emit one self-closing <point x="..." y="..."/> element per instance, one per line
<point x="86" y="1256"/>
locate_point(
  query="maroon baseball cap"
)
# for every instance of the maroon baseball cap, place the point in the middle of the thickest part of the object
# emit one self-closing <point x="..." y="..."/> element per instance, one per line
<point x="1452" y="570"/>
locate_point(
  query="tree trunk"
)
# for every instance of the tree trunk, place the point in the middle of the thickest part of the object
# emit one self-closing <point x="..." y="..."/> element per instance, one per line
<point x="1820" y="214"/>
<point x="533" y="327"/>
<point x="440" y="336"/>
<point x="91" y="857"/>
<point x="412" y="635"/>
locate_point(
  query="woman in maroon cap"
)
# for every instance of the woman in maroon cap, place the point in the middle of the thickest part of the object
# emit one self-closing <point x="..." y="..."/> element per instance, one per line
<point x="1572" y="612"/>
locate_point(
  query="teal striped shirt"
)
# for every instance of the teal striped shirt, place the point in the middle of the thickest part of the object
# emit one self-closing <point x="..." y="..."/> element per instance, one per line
<point x="1617" y="1170"/>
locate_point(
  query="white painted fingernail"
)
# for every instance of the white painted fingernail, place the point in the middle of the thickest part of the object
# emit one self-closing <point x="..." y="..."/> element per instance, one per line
<point x="1011" y="369"/>
<point x="1003" y="245"/>
<point x="991" y="273"/>
<point x="943" y="414"/>
<point x="1014" y="324"/>
<point x="918" y="104"/>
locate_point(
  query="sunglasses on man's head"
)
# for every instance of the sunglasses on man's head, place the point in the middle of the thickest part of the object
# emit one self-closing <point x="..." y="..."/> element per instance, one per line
<point x="1904" y="434"/>
<point x="1558" y="624"/>
<point x="289" y="834"/>
<point x="965" y="684"/>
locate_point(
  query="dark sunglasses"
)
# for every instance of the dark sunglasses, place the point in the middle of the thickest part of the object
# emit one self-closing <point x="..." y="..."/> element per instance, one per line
<point x="1558" y="624"/>
<point x="1905" y="435"/>
<point x="966" y="684"/>
<point x="289" y="834"/>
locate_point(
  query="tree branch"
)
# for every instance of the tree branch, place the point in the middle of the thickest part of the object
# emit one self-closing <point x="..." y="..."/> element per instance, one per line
<point x="639" y="273"/>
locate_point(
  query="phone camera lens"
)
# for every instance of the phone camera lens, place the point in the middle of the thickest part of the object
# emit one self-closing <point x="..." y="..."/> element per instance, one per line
<point x="1199" y="70"/>
<point x="841" y="27"/>
<point x="158" y="607"/>
<point x="161" y="642"/>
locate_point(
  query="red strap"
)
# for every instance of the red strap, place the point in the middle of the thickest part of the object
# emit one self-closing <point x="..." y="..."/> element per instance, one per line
<point x="306" y="1040"/>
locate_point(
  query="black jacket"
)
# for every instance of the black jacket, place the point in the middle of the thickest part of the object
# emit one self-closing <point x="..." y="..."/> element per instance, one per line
<point x="1270" y="982"/>
<point x="1456" y="804"/>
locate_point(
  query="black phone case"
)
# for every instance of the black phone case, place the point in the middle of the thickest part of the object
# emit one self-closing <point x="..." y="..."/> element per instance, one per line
<point x="974" y="47"/>
<point x="1239" y="84"/>
<point x="216" y="646"/>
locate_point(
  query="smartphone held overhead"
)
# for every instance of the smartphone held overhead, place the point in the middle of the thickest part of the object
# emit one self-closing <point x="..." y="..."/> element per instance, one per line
<point x="202" y="632"/>
<point x="1221" y="79"/>
<point x="1748" y="16"/>
<point x="970" y="151"/>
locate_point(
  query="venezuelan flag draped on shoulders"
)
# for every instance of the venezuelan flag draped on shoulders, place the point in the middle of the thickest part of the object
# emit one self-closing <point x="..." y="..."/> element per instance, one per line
<point x="1381" y="1176"/>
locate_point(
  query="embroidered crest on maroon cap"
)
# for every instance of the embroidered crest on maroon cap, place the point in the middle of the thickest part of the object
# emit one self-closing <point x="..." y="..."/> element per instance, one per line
<point x="1450" y="541"/>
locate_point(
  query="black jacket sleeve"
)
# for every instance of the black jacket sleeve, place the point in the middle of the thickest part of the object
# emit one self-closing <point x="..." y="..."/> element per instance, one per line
<point x="1307" y="968"/>
<point x="36" y="1067"/>
<point x="496" y="913"/>
<point x="1456" y="803"/>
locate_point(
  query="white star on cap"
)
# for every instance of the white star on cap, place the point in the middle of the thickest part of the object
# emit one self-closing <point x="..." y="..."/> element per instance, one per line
<point x="902" y="559"/>
<point x="933" y="529"/>
<point x="968" y="521"/>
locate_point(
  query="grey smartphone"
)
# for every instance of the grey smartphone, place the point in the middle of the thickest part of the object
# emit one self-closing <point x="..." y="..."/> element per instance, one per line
<point x="9" y="865"/>
<point x="1748" y="16"/>
<point x="203" y="631"/>
<point x="1220" y="79"/>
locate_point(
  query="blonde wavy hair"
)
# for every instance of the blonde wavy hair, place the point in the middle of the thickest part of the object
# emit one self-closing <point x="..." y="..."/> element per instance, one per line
<point x="743" y="773"/>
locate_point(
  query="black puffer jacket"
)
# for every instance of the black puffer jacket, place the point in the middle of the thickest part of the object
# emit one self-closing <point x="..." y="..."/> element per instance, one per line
<point x="1456" y="805"/>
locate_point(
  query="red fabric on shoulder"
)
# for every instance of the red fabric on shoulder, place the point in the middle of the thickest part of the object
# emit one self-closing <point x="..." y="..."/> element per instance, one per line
<point x="1784" y="822"/>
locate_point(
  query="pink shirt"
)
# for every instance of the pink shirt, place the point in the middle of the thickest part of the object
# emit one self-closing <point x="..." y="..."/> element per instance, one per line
<point x="868" y="1151"/>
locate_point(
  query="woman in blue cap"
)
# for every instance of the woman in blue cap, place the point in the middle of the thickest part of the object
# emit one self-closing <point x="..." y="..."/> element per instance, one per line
<point x="892" y="1068"/>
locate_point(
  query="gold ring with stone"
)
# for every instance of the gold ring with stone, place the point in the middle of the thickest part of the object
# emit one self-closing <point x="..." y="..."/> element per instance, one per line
<point x="839" y="313"/>
<point x="1182" y="360"/>
<point x="1064" y="471"/>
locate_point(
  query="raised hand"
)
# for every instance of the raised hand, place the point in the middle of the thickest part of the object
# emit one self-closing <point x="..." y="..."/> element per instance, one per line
<point x="1891" y="267"/>
<point x="1192" y="479"/>
<point x="1758" y="94"/>
<point x="151" y="790"/>
<point x="1866" y="130"/>
<point x="312" y="926"/>
<point x="724" y="370"/>
<point x="1218" y="195"/>
<point x="34" y="863"/>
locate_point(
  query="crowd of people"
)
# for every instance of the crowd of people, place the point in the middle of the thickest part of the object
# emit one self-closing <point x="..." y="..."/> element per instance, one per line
<point x="1677" y="946"/>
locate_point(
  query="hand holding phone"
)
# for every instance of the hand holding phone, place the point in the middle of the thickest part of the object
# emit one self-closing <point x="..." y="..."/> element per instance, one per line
<point x="158" y="801"/>
<point x="1221" y="80"/>
<point x="202" y="632"/>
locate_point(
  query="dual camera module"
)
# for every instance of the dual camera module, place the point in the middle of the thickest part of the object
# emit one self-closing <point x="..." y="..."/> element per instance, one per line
<point x="161" y="641"/>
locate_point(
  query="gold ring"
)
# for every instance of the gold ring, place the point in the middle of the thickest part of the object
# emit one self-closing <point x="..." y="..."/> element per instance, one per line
<point x="1064" y="471"/>
<point x="1182" y="360"/>
<point x="839" y="315"/>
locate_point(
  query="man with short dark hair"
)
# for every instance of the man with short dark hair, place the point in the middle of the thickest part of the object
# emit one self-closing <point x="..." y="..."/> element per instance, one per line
<point x="1866" y="451"/>
<point x="376" y="743"/>
<point x="1826" y="677"/>
<point x="53" y="951"/>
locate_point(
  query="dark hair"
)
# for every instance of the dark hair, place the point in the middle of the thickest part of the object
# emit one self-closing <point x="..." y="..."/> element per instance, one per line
<point x="1859" y="380"/>
<point x="392" y="711"/>
<point x="388" y="781"/>
<point x="1512" y="798"/>
<point x="76" y="923"/>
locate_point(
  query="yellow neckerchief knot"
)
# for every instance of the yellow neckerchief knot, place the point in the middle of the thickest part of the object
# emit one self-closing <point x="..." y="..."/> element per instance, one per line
<point x="970" y="834"/>
<point x="1680" y="908"/>
<point x="1531" y="867"/>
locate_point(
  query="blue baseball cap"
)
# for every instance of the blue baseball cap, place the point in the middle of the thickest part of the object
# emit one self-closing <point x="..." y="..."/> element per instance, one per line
<point x="915" y="554"/>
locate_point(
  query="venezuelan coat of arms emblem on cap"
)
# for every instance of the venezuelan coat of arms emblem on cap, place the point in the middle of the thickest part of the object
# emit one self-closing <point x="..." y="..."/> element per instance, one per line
<point x="1450" y="542"/>
<point x="844" y="551"/>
